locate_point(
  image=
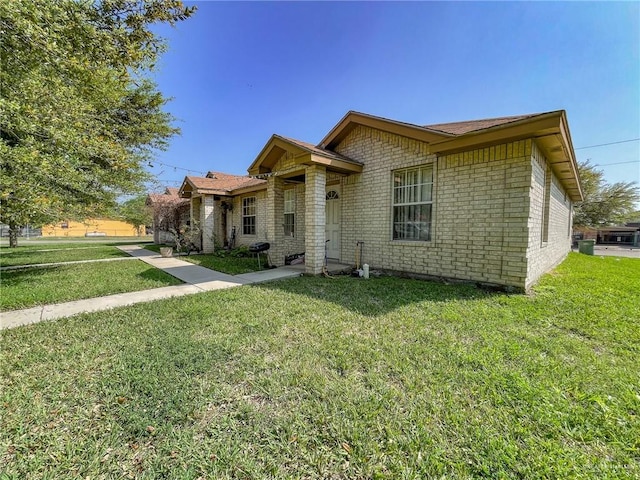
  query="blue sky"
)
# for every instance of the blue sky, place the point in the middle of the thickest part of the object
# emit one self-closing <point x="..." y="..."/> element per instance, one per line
<point x="239" y="72"/>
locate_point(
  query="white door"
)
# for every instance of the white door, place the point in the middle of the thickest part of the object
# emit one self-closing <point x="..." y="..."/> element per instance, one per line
<point x="332" y="229"/>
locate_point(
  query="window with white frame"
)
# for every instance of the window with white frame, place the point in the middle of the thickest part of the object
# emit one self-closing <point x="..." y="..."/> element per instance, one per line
<point x="249" y="216"/>
<point x="412" y="203"/>
<point x="289" y="212"/>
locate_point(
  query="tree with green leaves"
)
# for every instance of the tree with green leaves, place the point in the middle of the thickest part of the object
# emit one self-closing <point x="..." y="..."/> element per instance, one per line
<point x="136" y="212"/>
<point x="79" y="115"/>
<point x="604" y="203"/>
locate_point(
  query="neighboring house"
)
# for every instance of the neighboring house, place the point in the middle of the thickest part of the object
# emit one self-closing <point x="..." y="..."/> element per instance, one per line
<point x="489" y="201"/>
<point x="627" y="234"/>
<point x="170" y="213"/>
<point x="92" y="227"/>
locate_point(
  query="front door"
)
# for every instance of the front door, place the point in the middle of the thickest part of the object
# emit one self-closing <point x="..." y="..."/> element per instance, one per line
<point x="333" y="223"/>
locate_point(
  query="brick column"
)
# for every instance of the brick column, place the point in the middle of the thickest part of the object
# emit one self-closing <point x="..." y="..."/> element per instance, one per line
<point x="207" y="223"/>
<point x="194" y="217"/>
<point x="315" y="184"/>
<point x="275" y="219"/>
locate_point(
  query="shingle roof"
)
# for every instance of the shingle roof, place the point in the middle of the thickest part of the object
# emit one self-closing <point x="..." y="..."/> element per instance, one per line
<point x="170" y="195"/>
<point x="223" y="182"/>
<point x="461" y="128"/>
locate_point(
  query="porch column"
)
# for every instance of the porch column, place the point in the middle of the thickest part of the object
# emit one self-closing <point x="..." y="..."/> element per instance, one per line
<point x="275" y="219"/>
<point x="194" y="217"/>
<point x="207" y="223"/>
<point x="315" y="182"/>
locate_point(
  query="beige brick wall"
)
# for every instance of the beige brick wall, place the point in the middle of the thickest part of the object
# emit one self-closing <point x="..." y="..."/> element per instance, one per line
<point x="480" y="217"/>
<point x="235" y="219"/>
<point x="270" y="214"/>
<point x="315" y="182"/>
<point x="543" y="255"/>
<point x="207" y="222"/>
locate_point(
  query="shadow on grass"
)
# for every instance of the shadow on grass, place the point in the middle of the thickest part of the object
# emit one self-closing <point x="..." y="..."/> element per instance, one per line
<point x="18" y="276"/>
<point x="158" y="275"/>
<point x="31" y="256"/>
<point x="72" y="244"/>
<point x="378" y="296"/>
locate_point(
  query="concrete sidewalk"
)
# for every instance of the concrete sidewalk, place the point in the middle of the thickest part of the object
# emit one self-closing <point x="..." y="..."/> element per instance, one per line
<point x="197" y="279"/>
<point x="615" y="251"/>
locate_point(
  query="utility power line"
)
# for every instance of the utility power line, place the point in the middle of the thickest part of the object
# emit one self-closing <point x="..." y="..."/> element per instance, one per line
<point x="175" y="167"/>
<point x="617" y="163"/>
<point x="611" y="143"/>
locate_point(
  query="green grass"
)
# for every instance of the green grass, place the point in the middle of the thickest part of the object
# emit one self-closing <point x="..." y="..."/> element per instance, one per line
<point x="228" y="264"/>
<point x="336" y="378"/>
<point x="40" y="286"/>
<point x="30" y="255"/>
<point x="153" y="247"/>
<point x="222" y="261"/>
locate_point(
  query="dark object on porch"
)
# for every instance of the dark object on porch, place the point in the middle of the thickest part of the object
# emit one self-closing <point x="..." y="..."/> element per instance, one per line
<point x="190" y="247"/>
<point x="258" y="248"/>
<point x="291" y="259"/>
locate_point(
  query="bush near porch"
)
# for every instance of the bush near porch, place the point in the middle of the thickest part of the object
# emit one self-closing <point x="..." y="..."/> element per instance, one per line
<point x="336" y="378"/>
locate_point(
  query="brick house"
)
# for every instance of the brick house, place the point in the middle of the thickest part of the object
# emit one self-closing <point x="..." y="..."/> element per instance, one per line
<point x="488" y="201"/>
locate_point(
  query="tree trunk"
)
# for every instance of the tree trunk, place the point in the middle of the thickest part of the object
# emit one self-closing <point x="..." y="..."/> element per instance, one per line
<point x="13" y="236"/>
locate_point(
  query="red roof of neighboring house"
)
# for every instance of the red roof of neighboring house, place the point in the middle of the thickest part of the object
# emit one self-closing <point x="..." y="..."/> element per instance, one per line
<point x="222" y="183"/>
<point x="170" y="195"/>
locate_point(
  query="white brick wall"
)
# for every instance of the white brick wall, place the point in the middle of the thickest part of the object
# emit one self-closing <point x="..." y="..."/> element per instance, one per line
<point x="481" y="209"/>
<point x="488" y="208"/>
<point x="207" y="223"/>
<point x="235" y="219"/>
<point x="315" y="182"/>
<point x="541" y="255"/>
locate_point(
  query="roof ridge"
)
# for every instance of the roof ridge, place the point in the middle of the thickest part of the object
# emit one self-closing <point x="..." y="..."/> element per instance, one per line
<point x="469" y="126"/>
<point x="506" y="117"/>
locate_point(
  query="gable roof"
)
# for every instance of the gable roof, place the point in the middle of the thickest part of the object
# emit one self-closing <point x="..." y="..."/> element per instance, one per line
<point x="352" y="119"/>
<point x="170" y="196"/>
<point x="550" y="131"/>
<point x="226" y="181"/>
<point x="316" y="150"/>
<point x="460" y="128"/>
<point x="219" y="183"/>
<point x="304" y="154"/>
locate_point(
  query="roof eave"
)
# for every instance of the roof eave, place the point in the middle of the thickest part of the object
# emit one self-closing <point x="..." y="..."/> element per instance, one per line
<point x="265" y="161"/>
<point x="549" y="130"/>
<point x="248" y="189"/>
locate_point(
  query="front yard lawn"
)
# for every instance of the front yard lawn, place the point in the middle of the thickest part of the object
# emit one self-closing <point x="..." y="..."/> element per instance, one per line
<point x="56" y="253"/>
<point x="228" y="264"/>
<point x="29" y="287"/>
<point x="336" y="378"/>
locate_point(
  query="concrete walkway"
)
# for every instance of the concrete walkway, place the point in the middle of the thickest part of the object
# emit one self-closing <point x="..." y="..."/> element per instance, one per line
<point x="197" y="279"/>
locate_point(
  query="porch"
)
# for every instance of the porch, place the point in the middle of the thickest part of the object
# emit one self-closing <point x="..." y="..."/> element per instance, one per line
<point x="303" y="201"/>
<point x="334" y="267"/>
